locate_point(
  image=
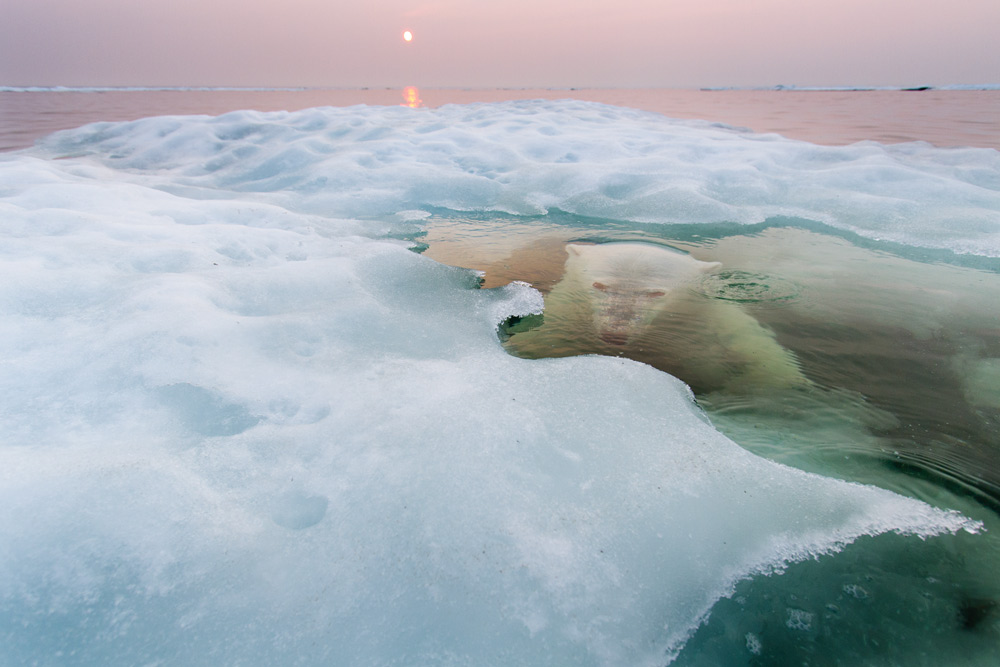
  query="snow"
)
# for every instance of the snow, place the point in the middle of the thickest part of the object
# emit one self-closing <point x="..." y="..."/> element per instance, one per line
<point x="242" y="424"/>
<point x="529" y="157"/>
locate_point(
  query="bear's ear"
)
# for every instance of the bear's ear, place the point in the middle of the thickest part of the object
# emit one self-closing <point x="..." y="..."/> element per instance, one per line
<point x="710" y="266"/>
<point x="572" y="249"/>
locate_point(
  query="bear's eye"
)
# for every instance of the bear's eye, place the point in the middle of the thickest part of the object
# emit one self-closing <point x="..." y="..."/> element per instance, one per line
<point x="653" y="295"/>
<point x="601" y="286"/>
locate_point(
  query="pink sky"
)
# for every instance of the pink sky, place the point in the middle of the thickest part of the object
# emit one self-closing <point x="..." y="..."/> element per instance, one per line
<point x="487" y="43"/>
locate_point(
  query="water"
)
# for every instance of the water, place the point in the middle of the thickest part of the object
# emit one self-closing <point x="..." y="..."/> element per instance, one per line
<point x="852" y="357"/>
<point x="904" y="348"/>
<point x="942" y="117"/>
<point x="893" y="380"/>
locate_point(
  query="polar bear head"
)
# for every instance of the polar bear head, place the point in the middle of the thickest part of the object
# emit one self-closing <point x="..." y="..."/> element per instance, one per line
<point x="629" y="284"/>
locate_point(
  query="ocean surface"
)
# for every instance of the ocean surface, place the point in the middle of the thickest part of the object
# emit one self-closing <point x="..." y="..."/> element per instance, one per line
<point x="829" y="117"/>
<point x="529" y="377"/>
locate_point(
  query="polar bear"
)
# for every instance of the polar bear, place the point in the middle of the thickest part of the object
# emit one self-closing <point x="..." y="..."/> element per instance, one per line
<point x="640" y="300"/>
<point x="629" y="283"/>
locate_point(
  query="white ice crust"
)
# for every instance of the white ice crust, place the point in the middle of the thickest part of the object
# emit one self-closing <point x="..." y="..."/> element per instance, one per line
<point x="240" y="425"/>
<point x="529" y="157"/>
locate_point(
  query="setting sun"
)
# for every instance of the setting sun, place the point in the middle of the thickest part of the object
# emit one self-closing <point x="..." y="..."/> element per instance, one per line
<point x="407" y="36"/>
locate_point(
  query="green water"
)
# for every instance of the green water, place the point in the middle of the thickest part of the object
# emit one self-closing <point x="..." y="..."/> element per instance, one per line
<point x="870" y="362"/>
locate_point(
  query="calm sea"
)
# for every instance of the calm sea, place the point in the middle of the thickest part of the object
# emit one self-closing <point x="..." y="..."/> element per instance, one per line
<point x="941" y="117"/>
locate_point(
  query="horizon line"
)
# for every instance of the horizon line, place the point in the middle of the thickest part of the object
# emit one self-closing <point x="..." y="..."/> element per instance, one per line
<point x="223" y="88"/>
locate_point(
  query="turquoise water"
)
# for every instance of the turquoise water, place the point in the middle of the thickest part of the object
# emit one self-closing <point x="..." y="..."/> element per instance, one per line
<point x="848" y="357"/>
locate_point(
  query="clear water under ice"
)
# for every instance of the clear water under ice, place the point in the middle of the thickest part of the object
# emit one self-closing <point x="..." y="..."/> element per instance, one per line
<point x="243" y="422"/>
<point x="894" y="384"/>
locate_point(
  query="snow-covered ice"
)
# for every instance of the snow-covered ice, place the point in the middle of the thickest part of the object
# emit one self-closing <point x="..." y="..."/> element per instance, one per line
<point x="240" y="423"/>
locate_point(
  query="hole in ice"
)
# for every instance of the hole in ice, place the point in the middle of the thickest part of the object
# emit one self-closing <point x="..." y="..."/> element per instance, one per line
<point x="516" y="325"/>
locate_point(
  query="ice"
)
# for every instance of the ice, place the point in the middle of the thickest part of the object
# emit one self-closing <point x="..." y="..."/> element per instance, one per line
<point x="799" y="620"/>
<point x="530" y="157"/>
<point x="242" y="424"/>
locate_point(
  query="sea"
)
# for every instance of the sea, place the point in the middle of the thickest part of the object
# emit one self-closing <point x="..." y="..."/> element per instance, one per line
<point x="519" y="376"/>
<point x="829" y="117"/>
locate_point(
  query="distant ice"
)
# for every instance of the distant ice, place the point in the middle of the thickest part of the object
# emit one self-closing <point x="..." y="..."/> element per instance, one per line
<point x="133" y="89"/>
<point x="529" y="157"/>
<point x="860" y="89"/>
<point x="242" y="424"/>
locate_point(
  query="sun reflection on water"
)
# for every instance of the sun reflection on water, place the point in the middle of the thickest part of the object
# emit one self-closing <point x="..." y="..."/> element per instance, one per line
<point x="411" y="97"/>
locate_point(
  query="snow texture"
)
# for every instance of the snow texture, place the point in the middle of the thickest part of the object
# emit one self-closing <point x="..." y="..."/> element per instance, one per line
<point x="243" y="425"/>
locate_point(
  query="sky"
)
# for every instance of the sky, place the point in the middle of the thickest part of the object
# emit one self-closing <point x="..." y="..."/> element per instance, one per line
<point x="488" y="43"/>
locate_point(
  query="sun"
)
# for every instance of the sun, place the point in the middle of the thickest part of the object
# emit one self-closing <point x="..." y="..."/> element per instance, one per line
<point x="407" y="36"/>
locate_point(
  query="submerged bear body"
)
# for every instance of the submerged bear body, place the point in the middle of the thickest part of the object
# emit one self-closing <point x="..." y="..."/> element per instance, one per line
<point x="642" y="300"/>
